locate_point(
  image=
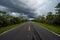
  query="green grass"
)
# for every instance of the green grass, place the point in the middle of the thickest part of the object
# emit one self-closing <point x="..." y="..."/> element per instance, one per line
<point x="2" y="29"/>
<point x="53" y="28"/>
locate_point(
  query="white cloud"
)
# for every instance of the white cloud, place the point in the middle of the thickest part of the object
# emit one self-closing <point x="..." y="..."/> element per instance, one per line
<point x="15" y="14"/>
<point x="39" y="6"/>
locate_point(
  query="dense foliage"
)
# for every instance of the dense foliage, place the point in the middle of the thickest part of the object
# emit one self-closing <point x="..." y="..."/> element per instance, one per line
<point x="51" y="18"/>
<point x="7" y="20"/>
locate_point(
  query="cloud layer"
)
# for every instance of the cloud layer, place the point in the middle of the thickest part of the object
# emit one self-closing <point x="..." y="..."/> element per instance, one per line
<point x="29" y="8"/>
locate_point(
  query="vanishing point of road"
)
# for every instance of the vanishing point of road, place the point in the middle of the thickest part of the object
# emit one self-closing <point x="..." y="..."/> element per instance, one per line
<point x="29" y="31"/>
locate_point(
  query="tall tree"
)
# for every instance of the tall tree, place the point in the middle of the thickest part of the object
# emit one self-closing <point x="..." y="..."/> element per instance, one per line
<point x="49" y="18"/>
<point x="58" y="14"/>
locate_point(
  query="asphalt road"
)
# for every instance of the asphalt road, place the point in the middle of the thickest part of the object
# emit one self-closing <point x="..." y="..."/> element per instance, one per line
<point x="29" y="31"/>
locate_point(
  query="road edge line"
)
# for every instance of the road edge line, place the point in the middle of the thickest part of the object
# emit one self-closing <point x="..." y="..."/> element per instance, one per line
<point x="10" y="29"/>
<point x="7" y="31"/>
<point x="49" y="30"/>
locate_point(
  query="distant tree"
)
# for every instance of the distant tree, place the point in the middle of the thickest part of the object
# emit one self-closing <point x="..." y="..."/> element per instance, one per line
<point x="41" y="19"/>
<point x="49" y="18"/>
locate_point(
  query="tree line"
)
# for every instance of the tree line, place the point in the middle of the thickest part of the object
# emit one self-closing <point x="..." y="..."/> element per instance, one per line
<point x="7" y="20"/>
<point x="51" y="18"/>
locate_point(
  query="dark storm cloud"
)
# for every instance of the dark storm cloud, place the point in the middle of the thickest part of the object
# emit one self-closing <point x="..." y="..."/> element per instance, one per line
<point x="29" y="8"/>
<point x="17" y="6"/>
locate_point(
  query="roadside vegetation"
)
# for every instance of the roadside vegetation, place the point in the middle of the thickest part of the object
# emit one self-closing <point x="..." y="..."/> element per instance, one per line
<point x="50" y="21"/>
<point x="3" y="29"/>
<point x="7" y="21"/>
<point x="53" y="28"/>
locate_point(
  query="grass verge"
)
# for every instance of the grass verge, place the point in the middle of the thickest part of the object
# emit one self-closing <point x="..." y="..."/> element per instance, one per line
<point x="53" y="28"/>
<point x="3" y="29"/>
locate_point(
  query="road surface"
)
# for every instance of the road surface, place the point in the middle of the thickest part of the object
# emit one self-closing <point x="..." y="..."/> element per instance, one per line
<point x="29" y="31"/>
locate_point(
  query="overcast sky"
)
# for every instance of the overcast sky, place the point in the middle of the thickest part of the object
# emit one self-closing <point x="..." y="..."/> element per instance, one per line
<point x="28" y="8"/>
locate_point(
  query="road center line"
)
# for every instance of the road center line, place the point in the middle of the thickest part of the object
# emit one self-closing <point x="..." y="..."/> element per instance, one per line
<point x="29" y="28"/>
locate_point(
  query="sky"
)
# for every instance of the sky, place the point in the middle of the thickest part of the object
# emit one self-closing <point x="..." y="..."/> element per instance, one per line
<point x="28" y="8"/>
